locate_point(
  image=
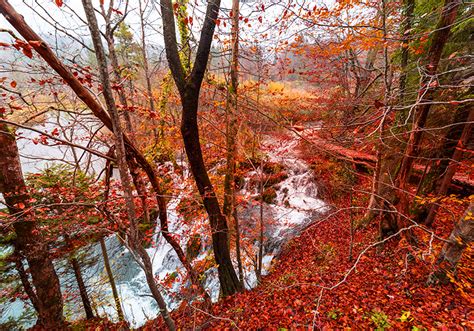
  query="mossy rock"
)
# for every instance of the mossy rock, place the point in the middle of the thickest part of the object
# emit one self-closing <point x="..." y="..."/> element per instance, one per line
<point x="269" y="195"/>
<point x="272" y="168"/>
<point x="193" y="247"/>
<point x="276" y="178"/>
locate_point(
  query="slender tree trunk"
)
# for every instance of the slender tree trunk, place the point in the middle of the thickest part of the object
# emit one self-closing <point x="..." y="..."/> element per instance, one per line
<point x="440" y="37"/>
<point x="229" y="207"/>
<point x="110" y="275"/>
<point x="408" y="8"/>
<point x="109" y="37"/>
<point x="145" y="59"/>
<point x="133" y="233"/>
<point x="238" y="251"/>
<point x="82" y="288"/>
<point x="189" y="88"/>
<point x="451" y="170"/>
<point x="446" y="151"/>
<point x="26" y="282"/>
<point x="373" y="200"/>
<point x="150" y="279"/>
<point x="261" y="227"/>
<point x="86" y="303"/>
<point x="189" y="129"/>
<point x="29" y="242"/>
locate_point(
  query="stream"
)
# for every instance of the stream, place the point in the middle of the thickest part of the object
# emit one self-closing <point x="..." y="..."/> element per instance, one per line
<point x="293" y="208"/>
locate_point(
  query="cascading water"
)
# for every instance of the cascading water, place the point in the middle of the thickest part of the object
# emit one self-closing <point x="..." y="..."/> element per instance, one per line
<point x="294" y="207"/>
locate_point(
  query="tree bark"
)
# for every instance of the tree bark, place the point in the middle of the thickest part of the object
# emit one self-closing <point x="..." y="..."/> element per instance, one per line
<point x="145" y="59"/>
<point x="26" y="282"/>
<point x="82" y="288"/>
<point x="110" y="275"/>
<point x="461" y="236"/>
<point x="440" y="37"/>
<point x="232" y="128"/>
<point x="109" y="37"/>
<point x="373" y="200"/>
<point x="451" y="170"/>
<point x="29" y="242"/>
<point x="408" y="8"/>
<point x="445" y="153"/>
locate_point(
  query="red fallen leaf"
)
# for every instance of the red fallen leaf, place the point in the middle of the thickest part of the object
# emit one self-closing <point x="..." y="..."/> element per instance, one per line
<point x="21" y="205"/>
<point x="55" y="132"/>
<point x="260" y="19"/>
<point x="59" y="3"/>
<point x="246" y="20"/>
<point x="13" y="83"/>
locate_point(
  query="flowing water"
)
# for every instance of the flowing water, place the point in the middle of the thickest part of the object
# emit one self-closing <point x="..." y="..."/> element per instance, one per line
<point x="296" y="205"/>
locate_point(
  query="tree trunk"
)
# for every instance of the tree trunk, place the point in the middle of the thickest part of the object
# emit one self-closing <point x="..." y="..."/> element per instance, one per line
<point x="29" y="243"/>
<point x="220" y="232"/>
<point x="261" y="227"/>
<point x="373" y="200"/>
<point x="445" y="152"/>
<point x="26" y="282"/>
<point x="110" y="275"/>
<point x="109" y="37"/>
<point x="82" y="288"/>
<point x="408" y="8"/>
<point x="440" y="37"/>
<point x="145" y="59"/>
<point x="461" y="236"/>
<point x="133" y="233"/>
<point x="229" y="207"/>
<point x="451" y="170"/>
<point x="189" y="87"/>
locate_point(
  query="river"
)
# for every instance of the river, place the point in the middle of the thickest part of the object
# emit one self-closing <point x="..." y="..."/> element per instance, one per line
<point x="295" y="206"/>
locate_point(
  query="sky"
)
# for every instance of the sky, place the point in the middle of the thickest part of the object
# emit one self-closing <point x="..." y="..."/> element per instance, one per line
<point x="70" y="15"/>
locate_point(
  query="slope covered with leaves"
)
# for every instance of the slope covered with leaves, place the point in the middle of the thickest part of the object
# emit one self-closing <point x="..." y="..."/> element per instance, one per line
<point x="314" y="283"/>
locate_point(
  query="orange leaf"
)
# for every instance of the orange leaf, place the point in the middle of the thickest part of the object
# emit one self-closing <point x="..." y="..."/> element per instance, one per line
<point x="59" y="3"/>
<point x="13" y="83"/>
<point x="35" y="43"/>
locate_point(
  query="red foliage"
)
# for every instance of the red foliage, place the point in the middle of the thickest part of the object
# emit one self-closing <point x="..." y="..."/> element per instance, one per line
<point x="387" y="285"/>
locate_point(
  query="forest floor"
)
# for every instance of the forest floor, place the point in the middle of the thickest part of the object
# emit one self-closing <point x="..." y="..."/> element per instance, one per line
<point x="315" y="285"/>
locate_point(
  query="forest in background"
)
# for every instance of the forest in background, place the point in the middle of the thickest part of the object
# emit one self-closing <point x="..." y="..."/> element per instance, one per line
<point x="236" y="164"/>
